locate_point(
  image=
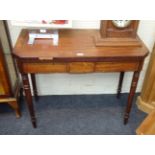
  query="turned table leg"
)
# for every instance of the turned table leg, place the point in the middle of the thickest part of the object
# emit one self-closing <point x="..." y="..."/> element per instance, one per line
<point x="131" y="95"/>
<point x="28" y="96"/>
<point x="34" y="86"/>
<point x="120" y="84"/>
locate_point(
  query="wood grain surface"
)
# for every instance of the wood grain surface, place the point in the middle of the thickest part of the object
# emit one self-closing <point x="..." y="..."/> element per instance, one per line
<point x="71" y="43"/>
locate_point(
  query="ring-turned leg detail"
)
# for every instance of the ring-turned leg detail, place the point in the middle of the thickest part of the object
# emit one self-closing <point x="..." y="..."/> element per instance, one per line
<point x="28" y="95"/>
<point x="131" y="95"/>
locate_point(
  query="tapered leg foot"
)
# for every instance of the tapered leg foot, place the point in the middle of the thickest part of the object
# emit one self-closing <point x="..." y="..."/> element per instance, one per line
<point x="126" y="118"/>
<point x="34" y="123"/>
<point x="125" y="121"/>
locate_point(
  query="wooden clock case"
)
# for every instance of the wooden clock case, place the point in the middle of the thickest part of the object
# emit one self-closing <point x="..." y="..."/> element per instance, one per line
<point x="111" y="35"/>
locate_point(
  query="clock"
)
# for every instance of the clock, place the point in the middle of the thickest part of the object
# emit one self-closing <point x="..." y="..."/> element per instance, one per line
<point x="121" y="23"/>
<point x="118" y="33"/>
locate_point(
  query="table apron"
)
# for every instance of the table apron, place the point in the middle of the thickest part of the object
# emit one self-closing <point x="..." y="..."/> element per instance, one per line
<point x="79" y="67"/>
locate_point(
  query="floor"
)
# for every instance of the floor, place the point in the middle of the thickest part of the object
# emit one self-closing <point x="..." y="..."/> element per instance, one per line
<point x="72" y="115"/>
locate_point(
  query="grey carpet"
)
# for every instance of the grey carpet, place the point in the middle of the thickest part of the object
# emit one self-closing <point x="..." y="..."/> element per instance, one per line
<point x="73" y="115"/>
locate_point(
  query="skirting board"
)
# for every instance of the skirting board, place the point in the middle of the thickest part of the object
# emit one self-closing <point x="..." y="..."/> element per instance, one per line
<point x="143" y="106"/>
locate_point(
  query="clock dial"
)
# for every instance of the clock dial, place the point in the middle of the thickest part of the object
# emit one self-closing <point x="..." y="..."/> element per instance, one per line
<point x="121" y="23"/>
<point x="118" y="33"/>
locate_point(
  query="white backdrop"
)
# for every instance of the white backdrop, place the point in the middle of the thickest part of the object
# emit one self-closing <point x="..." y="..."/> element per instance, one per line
<point x="97" y="83"/>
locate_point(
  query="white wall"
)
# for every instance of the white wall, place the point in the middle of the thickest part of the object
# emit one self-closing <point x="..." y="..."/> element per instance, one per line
<point x="97" y="83"/>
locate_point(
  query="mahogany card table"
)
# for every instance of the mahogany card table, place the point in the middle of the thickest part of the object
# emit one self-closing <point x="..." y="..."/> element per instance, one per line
<point x="76" y="53"/>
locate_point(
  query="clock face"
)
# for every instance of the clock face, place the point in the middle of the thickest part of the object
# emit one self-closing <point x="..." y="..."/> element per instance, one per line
<point x="121" y="23"/>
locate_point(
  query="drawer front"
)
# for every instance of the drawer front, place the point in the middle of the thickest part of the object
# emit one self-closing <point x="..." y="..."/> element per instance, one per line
<point x="80" y="67"/>
<point x="116" y="66"/>
<point x="44" y="67"/>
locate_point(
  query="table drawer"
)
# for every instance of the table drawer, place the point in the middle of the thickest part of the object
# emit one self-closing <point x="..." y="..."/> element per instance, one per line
<point x="81" y="67"/>
<point x="116" y="66"/>
<point x="44" y="67"/>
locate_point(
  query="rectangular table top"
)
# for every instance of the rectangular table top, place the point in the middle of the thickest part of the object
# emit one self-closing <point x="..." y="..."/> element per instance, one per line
<point x="74" y="44"/>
